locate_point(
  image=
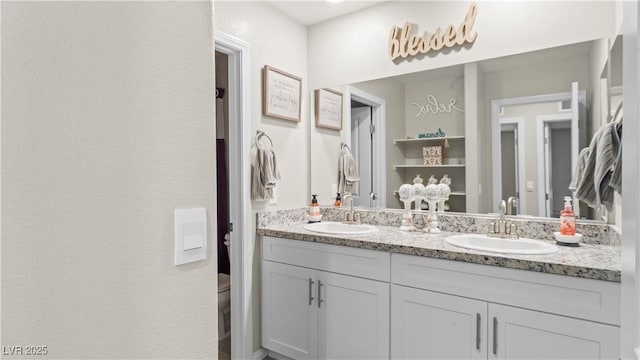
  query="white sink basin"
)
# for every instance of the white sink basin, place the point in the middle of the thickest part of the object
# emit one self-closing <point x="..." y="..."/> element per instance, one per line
<point x="340" y="228"/>
<point x="506" y="246"/>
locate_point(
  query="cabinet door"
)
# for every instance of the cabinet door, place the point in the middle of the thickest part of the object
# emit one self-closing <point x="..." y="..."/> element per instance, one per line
<point x="289" y="310"/>
<point x="353" y="317"/>
<point x="430" y="325"/>
<point x="525" y="334"/>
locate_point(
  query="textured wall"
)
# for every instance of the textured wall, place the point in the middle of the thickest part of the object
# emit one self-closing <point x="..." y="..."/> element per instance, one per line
<point x="107" y="127"/>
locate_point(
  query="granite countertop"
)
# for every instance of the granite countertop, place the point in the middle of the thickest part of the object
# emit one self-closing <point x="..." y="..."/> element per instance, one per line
<point x="591" y="261"/>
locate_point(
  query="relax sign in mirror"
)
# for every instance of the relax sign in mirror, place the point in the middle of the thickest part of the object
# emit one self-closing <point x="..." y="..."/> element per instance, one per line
<point x="532" y="113"/>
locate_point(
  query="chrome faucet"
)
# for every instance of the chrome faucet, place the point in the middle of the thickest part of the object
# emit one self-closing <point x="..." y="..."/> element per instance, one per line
<point x="511" y="203"/>
<point x="503" y="229"/>
<point x="352" y="217"/>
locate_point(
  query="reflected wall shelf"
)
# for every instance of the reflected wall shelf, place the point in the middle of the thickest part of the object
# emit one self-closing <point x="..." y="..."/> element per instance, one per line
<point x="428" y="166"/>
<point x="421" y="140"/>
<point x="454" y="165"/>
<point x="453" y="193"/>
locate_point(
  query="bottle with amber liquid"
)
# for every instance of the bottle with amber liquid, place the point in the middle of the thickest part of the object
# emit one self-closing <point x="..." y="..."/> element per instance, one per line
<point x="567" y="218"/>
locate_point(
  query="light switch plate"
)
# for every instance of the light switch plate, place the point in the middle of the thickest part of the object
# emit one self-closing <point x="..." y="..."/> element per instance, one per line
<point x="529" y="186"/>
<point x="190" y="230"/>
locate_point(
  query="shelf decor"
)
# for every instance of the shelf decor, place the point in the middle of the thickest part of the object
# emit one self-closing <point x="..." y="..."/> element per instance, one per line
<point x="328" y="109"/>
<point x="436" y="134"/>
<point x="432" y="155"/>
<point x="281" y="95"/>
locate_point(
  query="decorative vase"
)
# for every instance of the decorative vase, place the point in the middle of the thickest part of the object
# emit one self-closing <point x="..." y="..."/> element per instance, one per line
<point x="407" y="197"/>
<point x="433" y="195"/>
<point x="444" y="192"/>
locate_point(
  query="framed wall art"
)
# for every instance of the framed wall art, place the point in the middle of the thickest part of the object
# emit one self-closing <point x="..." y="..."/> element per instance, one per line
<point x="329" y="109"/>
<point x="281" y="95"/>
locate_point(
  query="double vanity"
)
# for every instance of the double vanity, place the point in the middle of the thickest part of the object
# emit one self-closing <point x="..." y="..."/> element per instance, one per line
<point x="331" y="290"/>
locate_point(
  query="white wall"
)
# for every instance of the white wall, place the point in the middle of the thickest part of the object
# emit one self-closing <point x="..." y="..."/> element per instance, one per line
<point x="353" y="48"/>
<point x="107" y="127"/>
<point x="280" y="42"/>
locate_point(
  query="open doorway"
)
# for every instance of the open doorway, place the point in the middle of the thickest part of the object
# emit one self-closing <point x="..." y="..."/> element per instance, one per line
<point x="237" y="228"/>
<point x="556" y="154"/>
<point x="366" y="134"/>
<point x="223" y="210"/>
<point x="362" y="149"/>
<point x="512" y="157"/>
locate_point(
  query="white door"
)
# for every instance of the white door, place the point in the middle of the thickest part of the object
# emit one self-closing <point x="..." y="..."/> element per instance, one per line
<point x="353" y="318"/>
<point x="525" y="334"/>
<point x="430" y="325"/>
<point x="362" y="149"/>
<point x="289" y="310"/>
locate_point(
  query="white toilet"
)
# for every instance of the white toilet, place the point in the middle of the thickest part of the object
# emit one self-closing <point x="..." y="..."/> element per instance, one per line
<point x="224" y="300"/>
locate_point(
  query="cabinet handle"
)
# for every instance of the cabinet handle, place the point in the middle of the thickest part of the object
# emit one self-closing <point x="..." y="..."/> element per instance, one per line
<point x="478" y="331"/>
<point x="310" y="291"/>
<point x="495" y="336"/>
<point x="319" y="293"/>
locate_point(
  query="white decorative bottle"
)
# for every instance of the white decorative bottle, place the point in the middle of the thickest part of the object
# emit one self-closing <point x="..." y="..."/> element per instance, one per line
<point x="433" y="195"/>
<point x="407" y="196"/>
<point x="445" y="191"/>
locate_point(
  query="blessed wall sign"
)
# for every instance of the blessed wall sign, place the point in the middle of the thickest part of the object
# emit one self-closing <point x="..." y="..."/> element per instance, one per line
<point x="402" y="42"/>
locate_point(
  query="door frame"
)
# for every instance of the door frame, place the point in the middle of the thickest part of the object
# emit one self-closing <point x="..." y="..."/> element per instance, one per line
<point x="522" y="198"/>
<point x="541" y="122"/>
<point x="496" y="105"/>
<point x="239" y="201"/>
<point x="378" y="118"/>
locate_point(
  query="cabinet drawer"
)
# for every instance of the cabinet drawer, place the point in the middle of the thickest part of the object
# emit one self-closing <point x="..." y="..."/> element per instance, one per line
<point x="564" y="295"/>
<point x="364" y="263"/>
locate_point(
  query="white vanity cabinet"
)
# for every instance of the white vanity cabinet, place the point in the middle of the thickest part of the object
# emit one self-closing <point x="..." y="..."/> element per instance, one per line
<point x="524" y="334"/>
<point x="323" y="301"/>
<point x="430" y="325"/>
<point x="452" y="310"/>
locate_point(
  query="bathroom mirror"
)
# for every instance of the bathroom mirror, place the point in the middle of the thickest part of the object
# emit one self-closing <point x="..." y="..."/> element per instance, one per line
<point x="541" y="94"/>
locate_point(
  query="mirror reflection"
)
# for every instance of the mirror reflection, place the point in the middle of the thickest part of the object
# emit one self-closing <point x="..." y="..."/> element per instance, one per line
<point x="521" y="119"/>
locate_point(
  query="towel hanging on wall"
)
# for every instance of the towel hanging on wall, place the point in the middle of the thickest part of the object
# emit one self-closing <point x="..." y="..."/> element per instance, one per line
<point x="264" y="169"/>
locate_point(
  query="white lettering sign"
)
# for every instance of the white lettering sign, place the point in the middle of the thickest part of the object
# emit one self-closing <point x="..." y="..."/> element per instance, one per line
<point x="434" y="107"/>
<point x="403" y="44"/>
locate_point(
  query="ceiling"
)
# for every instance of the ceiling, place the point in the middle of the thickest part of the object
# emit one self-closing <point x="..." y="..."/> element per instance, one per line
<point x="309" y="12"/>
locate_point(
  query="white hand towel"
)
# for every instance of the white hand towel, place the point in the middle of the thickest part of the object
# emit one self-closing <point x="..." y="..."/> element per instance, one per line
<point x="264" y="175"/>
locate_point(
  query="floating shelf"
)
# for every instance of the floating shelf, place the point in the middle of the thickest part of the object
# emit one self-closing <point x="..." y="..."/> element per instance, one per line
<point x="409" y="141"/>
<point x="396" y="167"/>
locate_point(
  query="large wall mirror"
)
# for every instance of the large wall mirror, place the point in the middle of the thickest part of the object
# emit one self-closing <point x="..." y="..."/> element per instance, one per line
<point x="532" y="113"/>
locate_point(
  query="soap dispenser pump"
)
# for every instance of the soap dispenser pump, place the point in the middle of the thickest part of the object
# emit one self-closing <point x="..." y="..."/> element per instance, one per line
<point x="567" y="218"/>
<point x="314" y="208"/>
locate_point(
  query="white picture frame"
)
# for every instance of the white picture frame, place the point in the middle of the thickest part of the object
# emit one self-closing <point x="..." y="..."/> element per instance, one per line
<point x="328" y="109"/>
<point x="281" y="95"/>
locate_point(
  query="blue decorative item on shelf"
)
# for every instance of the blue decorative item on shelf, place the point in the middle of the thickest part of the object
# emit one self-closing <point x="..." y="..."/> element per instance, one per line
<point x="437" y="134"/>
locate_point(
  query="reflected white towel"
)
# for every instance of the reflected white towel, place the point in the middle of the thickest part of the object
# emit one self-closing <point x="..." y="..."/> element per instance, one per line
<point x="579" y="170"/>
<point x="347" y="171"/>
<point x="593" y="186"/>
